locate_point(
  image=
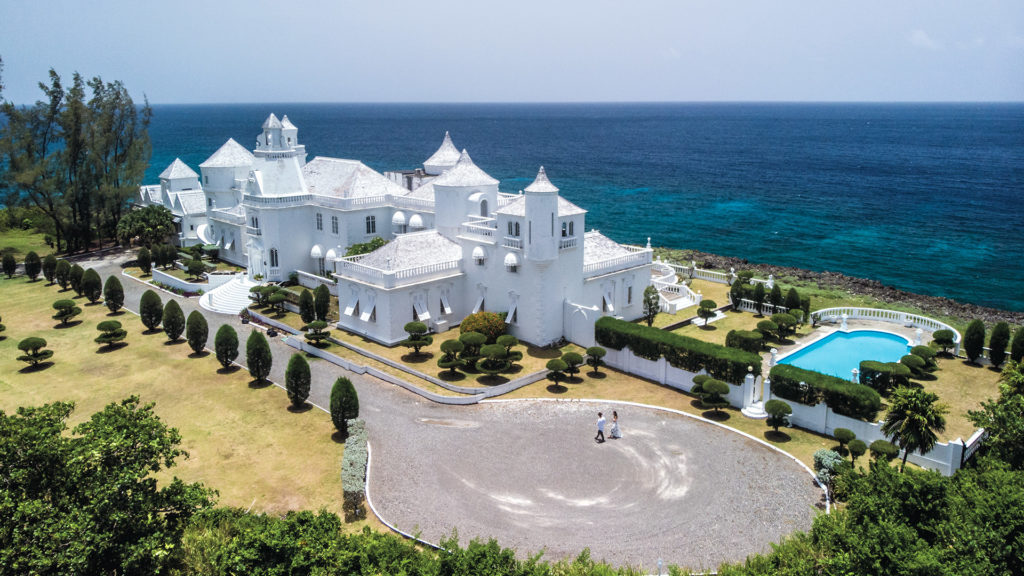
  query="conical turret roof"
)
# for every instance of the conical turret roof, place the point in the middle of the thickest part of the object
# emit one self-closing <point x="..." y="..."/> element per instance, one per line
<point x="177" y="170"/>
<point x="271" y="122"/>
<point x="287" y="124"/>
<point x="465" y="173"/>
<point x="541" y="183"/>
<point x="229" y="155"/>
<point x="445" y="157"/>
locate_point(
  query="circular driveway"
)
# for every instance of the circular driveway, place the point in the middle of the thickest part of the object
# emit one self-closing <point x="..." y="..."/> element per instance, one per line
<point x="529" y="474"/>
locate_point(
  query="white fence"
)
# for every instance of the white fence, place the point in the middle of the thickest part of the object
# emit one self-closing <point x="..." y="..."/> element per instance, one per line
<point x="213" y="281"/>
<point x="312" y="281"/>
<point x="891" y="316"/>
<point x="766" y="308"/>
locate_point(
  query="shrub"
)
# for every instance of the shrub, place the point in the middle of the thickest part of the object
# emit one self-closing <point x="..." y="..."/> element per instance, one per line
<point x="62" y="274"/>
<point x="572" y="362"/>
<point x="297" y="380"/>
<point x="595" y="357"/>
<point x="651" y="304"/>
<point x="317" y="331"/>
<point x="277" y="299"/>
<point x="365" y="247"/>
<point x="92" y="285"/>
<point x="471" y="341"/>
<point x="927" y="354"/>
<point x="151" y="309"/>
<point x="805" y="306"/>
<point x="943" y="339"/>
<point x="786" y="323"/>
<point x="195" y="268"/>
<point x="450" y="358"/>
<point x="75" y="278"/>
<point x="487" y="323"/>
<point x="713" y="392"/>
<point x="112" y="333"/>
<point x="173" y="320"/>
<point x="494" y="361"/>
<point x="509" y="341"/>
<point x="727" y="364"/>
<point x="10" y="265"/>
<point x="915" y="363"/>
<point x="775" y="297"/>
<point x="33" y="348"/>
<point x="418" y="337"/>
<point x="33" y="265"/>
<point x="778" y="413"/>
<point x="353" y="472"/>
<point x="827" y="465"/>
<point x="737" y="292"/>
<point x="749" y="340"/>
<point x="768" y="328"/>
<point x="844" y="436"/>
<point x="759" y="298"/>
<point x="321" y="302"/>
<point x="706" y="310"/>
<point x="344" y="404"/>
<point x="884" y="451"/>
<point x="257" y="356"/>
<point x="857" y="449"/>
<point x="792" y="301"/>
<point x="49" y="267"/>
<point x="66" y="310"/>
<point x="557" y="368"/>
<point x="997" y="343"/>
<point x="974" y="340"/>
<point x="113" y="293"/>
<point x="196" y="331"/>
<point x="883" y="377"/>
<point x="844" y="397"/>
<point x="225" y="345"/>
<point x="1017" y="346"/>
<point x="144" y="260"/>
<point x="307" y="309"/>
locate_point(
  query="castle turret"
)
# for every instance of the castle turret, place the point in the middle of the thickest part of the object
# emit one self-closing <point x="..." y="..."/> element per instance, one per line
<point x="541" y="242"/>
<point x="462" y="192"/>
<point x="445" y="157"/>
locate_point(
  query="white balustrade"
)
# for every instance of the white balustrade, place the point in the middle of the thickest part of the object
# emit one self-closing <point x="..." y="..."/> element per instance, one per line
<point x="351" y="268"/>
<point x="883" y="315"/>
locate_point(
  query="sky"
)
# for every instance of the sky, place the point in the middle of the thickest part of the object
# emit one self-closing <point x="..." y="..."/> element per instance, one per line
<point x="233" y="51"/>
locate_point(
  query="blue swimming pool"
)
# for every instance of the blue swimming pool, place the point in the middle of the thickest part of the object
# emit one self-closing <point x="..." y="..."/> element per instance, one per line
<point x="839" y="353"/>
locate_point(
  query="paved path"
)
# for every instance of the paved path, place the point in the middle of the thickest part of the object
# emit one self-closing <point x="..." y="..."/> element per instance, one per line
<point x="529" y="474"/>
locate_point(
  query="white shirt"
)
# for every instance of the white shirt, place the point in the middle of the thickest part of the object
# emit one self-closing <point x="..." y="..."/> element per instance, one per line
<point x="600" y="423"/>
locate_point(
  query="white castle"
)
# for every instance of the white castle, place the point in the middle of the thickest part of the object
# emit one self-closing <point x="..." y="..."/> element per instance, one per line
<point x="456" y="245"/>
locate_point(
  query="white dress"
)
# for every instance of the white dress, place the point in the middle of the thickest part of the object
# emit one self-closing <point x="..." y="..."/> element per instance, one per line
<point x="616" y="433"/>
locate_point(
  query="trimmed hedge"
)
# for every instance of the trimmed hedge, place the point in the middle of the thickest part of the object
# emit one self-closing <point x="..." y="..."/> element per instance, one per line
<point x="353" y="471"/>
<point x="749" y="340"/>
<point x="727" y="364"/>
<point x="884" y="376"/>
<point x="846" y="398"/>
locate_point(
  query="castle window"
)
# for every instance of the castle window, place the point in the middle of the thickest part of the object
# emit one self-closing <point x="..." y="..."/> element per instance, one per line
<point x="517" y="230"/>
<point x="571" y="233"/>
<point x="511" y="263"/>
<point x="273" y="257"/>
<point x="334" y="224"/>
<point x="371" y="224"/>
<point x="629" y="294"/>
<point x="319" y="221"/>
<point x="509" y="228"/>
<point x="565" y="229"/>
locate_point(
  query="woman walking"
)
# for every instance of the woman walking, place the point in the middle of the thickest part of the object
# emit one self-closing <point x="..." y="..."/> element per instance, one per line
<point x="616" y="433"/>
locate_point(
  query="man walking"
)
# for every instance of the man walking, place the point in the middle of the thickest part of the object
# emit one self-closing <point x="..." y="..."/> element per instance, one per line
<point x="600" y="428"/>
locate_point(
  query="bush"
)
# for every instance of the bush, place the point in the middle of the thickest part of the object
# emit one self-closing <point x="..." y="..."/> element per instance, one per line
<point x="112" y="333"/>
<point x="712" y="394"/>
<point x="49" y="267"/>
<point x="297" y="379"/>
<point x="844" y="397"/>
<point x="321" y="302"/>
<point x="883" y="377"/>
<point x="556" y="367"/>
<point x="749" y="340"/>
<point x="277" y="300"/>
<point x="471" y="341"/>
<point x="768" y="328"/>
<point x="489" y="324"/>
<point x="151" y="310"/>
<point x="450" y="359"/>
<point x="225" y="345"/>
<point x="884" y="451"/>
<point x="595" y="357"/>
<point x="10" y="265"/>
<point x="509" y="341"/>
<point x="418" y="337"/>
<point x="943" y="339"/>
<point x="307" y="309"/>
<point x="857" y="449"/>
<point x="494" y="360"/>
<point x="792" y="301"/>
<point x="778" y="413"/>
<point x="915" y="363"/>
<point x="144" y="260"/>
<point x="775" y="297"/>
<point x="758" y="297"/>
<point x="257" y="356"/>
<point x="1017" y="346"/>
<point x="33" y="265"/>
<point x="727" y="364"/>
<point x="92" y="285"/>
<point x="75" y="278"/>
<point x="62" y="274"/>
<point x="113" y="293"/>
<point x="344" y="404"/>
<point x="706" y="310"/>
<point x="173" y="320"/>
<point x="572" y="362"/>
<point x="786" y="323"/>
<point x="827" y="466"/>
<point x="974" y="340"/>
<point x="927" y="354"/>
<point x="34" y="352"/>
<point x="196" y="331"/>
<point x="66" y="310"/>
<point x="195" y="268"/>
<point x="844" y="436"/>
<point x="353" y="472"/>
<point x="997" y="343"/>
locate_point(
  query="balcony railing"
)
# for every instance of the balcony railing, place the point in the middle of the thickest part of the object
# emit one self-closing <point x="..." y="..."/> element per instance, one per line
<point x="567" y="242"/>
<point x="638" y="256"/>
<point x="253" y="231"/>
<point x="513" y="242"/>
<point x="351" y="268"/>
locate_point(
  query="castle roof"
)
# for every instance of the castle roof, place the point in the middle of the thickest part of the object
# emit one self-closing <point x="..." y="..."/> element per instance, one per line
<point x="424" y="192"/>
<point x="413" y="250"/>
<point x="287" y="124"/>
<point x="271" y="122"/>
<point x="445" y="157"/>
<point x="229" y="155"/>
<point x="178" y="170"/>
<point x="464" y="173"/>
<point x="347" y="179"/>
<point x="191" y="201"/>
<point x="517" y="207"/>
<point x="597" y="247"/>
<point x="541" y="183"/>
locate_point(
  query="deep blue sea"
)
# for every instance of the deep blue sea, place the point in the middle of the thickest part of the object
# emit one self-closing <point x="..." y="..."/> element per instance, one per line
<point x="924" y="197"/>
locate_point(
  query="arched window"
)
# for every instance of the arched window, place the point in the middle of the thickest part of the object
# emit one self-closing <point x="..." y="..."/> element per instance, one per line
<point x="565" y="229"/>
<point x="273" y="257"/>
<point x="371" y="224"/>
<point x="509" y="228"/>
<point x="517" y="230"/>
<point x="483" y="207"/>
<point x="334" y="224"/>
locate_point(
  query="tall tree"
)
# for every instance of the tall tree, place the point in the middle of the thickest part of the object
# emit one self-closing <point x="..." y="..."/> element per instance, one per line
<point x="258" y="356"/>
<point x="345" y="404"/>
<point x="173" y="320"/>
<point x="196" y="331"/>
<point x="307" y="308"/>
<point x="297" y="380"/>
<point x="974" y="340"/>
<point x="997" y="343"/>
<point x="652" y="304"/>
<point x="33" y="265"/>
<point x="113" y="293"/>
<point x="151" y="309"/>
<point x="914" y="419"/>
<point x="152" y="225"/>
<point x="321" y="302"/>
<point x="49" y="267"/>
<point x="92" y="286"/>
<point x="225" y="345"/>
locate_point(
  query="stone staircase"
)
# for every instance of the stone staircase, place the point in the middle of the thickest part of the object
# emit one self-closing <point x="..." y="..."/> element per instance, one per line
<point x="230" y="298"/>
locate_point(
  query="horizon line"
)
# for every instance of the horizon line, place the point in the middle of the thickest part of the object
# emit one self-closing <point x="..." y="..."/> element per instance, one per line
<point x="578" y="102"/>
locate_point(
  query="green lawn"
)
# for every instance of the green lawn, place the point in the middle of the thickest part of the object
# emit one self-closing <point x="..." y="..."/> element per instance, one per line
<point x="20" y="242"/>
<point x="254" y="451"/>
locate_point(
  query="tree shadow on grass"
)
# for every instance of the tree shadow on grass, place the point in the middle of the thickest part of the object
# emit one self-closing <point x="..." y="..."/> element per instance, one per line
<point x="414" y="358"/>
<point x="490" y="380"/>
<point x="229" y="370"/>
<point x="719" y="416"/>
<point x="202" y="354"/>
<point x="118" y="313"/>
<point x="596" y="375"/>
<point x="557" y="389"/>
<point x="257" y="384"/>
<point x="111" y="348"/>
<point x="96" y="303"/>
<point x="175" y="342"/>
<point x="991" y="368"/>
<point x="544" y="352"/>
<point x="779" y="437"/>
<point x="338" y="437"/>
<point x="970" y="364"/>
<point x="695" y="403"/>
<point x="574" y="380"/>
<point x="36" y="367"/>
<point x="449" y="376"/>
<point x="156" y="330"/>
<point x="305" y="407"/>
<point x="708" y="327"/>
<point x="70" y="324"/>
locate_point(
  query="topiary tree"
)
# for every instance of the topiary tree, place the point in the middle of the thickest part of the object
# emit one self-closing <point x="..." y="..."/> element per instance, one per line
<point x="113" y="294"/>
<point x="494" y="361"/>
<point x="10" y="265"/>
<point x="713" y="391"/>
<point x="258" y="357"/>
<point x="997" y="343"/>
<point x="34" y="353"/>
<point x="75" y="278"/>
<point x="792" y="301"/>
<point x="151" y="310"/>
<point x="344" y="404"/>
<point x="926" y="353"/>
<point x="307" y="309"/>
<point x="1017" y="346"/>
<point x="844" y="436"/>
<point x="706" y="310"/>
<point x="471" y="341"/>
<point x="297" y="380"/>
<point x="144" y="260"/>
<point x="943" y="339"/>
<point x="317" y="332"/>
<point x="737" y="292"/>
<point x="225" y="345"/>
<point x="509" y="341"/>
<point x="775" y="297"/>
<point x="450" y="359"/>
<point x="557" y="370"/>
<point x="786" y="323"/>
<point x="572" y="363"/>
<point x="66" y="310"/>
<point x="759" y="298"/>
<point x="652" y="304"/>
<point x="62" y="274"/>
<point x="418" y="337"/>
<point x="805" y="305"/>
<point x="49" y="268"/>
<point x="769" y="329"/>
<point x="321" y="302"/>
<point x="595" y="358"/>
<point x="915" y="364"/>
<point x="778" y="413"/>
<point x="974" y="340"/>
<point x="92" y="286"/>
<point x="857" y="449"/>
<point x="160" y="256"/>
<point x="883" y="451"/>
<point x="489" y="324"/>
<point x="257" y="293"/>
<point x="196" y="331"/>
<point x="277" y="299"/>
<point x="173" y="320"/>
<point x="33" y="265"/>
<point x="111" y="333"/>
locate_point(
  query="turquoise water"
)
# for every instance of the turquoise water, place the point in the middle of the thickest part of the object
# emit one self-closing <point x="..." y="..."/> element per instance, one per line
<point x="839" y="353"/>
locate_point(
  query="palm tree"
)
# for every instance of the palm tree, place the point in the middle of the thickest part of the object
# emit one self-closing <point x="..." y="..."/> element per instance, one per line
<point x="914" y="419"/>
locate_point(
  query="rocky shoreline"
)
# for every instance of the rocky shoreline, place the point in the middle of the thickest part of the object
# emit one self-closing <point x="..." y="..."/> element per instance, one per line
<point x="936" y="305"/>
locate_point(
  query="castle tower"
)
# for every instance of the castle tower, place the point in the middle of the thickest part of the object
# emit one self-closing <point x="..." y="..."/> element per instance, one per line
<point x="541" y="242"/>
<point x="461" y="192"/>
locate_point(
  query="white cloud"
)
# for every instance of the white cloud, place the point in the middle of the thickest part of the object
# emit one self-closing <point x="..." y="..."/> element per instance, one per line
<point x="921" y="39"/>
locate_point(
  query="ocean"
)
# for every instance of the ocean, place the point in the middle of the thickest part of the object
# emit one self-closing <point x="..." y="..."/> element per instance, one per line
<point x="927" y="198"/>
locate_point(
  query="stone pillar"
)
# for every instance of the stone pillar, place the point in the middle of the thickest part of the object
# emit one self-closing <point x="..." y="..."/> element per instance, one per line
<point x="748" y="383"/>
<point x="844" y="317"/>
<point x="775" y="359"/>
<point x="766" y="394"/>
<point x="917" y="336"/>
<point x="855" y="376"/>
<point x="771" y="281"/>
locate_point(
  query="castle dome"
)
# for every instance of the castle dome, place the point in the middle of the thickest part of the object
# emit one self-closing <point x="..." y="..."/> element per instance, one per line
<point x="445" y="157"/>
<point x="541" y="184"/>
<point x="464" y="174"/>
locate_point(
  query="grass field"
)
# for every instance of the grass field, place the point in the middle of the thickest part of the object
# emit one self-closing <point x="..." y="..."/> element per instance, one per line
<point x="242" y="441"/>
<point x="20" y="242"/>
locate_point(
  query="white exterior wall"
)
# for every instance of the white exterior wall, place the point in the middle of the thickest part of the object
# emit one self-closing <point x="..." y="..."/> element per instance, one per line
<point x="394" y="307"/>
